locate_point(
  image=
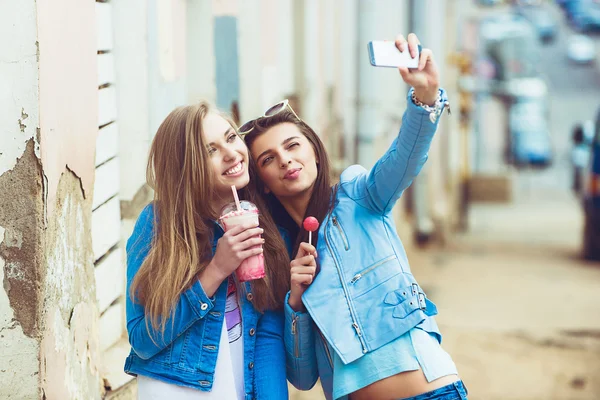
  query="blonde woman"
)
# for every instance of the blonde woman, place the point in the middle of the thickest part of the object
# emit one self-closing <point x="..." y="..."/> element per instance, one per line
<point x="195" y="332"/>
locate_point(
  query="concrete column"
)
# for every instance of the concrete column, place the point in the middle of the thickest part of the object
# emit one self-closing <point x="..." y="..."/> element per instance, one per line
<point x="250" y="56"/>
<point x="380" y="90"/>
<point x="348" y="53"/>
<point x="48" y="127"/>
<point x="200" y="51"/>
<point x="429" y="17"/>
<point x="130" y="51"/>
<point x="285" y="50"/>
<point x="311" y="88"/>
<point x="166" y="60"/>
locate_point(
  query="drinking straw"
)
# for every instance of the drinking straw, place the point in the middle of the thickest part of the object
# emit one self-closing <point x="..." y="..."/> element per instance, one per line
<point x="236" y="198"/>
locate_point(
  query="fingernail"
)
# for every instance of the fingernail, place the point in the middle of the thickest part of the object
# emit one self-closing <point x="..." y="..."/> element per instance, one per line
<point x="263" y="240"/>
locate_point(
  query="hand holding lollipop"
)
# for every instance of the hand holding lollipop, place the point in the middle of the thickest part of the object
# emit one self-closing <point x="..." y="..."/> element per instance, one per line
<point x="311" y="225"/>
<point x="303" y="267"/>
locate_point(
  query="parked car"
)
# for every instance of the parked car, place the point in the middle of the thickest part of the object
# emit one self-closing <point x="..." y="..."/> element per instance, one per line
<point x="584" y="15"/>
<point x="529" y="133"/>
<point x="542" y="20"/>
<point x="581" y="49"/>
<point x="591" y="196"/>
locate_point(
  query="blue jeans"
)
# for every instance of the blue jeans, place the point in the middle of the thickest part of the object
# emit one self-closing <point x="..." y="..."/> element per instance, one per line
<point x="453" y="391"/>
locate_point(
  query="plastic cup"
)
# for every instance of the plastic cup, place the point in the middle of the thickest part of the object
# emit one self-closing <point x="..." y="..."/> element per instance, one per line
<point x="252" y="267"/>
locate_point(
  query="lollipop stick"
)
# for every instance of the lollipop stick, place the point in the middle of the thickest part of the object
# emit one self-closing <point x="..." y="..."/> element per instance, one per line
<point x="309" y="237"/>
<point x="236" y="198"/>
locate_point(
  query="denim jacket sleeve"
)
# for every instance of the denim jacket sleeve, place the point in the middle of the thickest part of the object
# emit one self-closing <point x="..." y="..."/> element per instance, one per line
<point x="301" y="360"/>
<point x="192" y="306"/>
<point x="380" y="188"/>
<point x="269" y="357"/>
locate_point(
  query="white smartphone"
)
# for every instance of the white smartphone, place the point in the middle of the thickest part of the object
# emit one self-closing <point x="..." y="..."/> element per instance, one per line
<point x="384" y="53"/>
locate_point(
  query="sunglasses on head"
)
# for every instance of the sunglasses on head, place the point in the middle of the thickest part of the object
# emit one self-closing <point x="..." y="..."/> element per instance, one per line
<point x="272" y="111"/>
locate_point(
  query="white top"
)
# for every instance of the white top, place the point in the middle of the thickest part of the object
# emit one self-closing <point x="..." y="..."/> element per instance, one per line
<point x="229" y="371"/>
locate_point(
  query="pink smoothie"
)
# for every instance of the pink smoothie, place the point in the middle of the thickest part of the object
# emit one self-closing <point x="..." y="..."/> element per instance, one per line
<point x="252" y="267"/>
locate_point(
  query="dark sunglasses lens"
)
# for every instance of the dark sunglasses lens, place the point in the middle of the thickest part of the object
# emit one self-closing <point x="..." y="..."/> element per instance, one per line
<point x="275" y="109"/>
<point x="247" y="127"/>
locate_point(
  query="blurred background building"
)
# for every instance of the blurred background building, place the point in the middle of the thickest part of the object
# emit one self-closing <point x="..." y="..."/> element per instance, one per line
<point x="497" y="225"/>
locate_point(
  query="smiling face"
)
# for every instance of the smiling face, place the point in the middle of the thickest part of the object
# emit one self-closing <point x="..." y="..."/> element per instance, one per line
<point x="286" y="160"/>
<point x="228" y="155"/>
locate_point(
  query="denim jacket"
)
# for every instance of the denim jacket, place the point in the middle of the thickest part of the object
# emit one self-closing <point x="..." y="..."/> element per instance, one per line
<point x="187" y="355"/>
<point x="364" y="295"/>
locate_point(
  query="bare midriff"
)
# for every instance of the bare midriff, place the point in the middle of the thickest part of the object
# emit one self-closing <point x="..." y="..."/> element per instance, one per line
<point x="401" y="386"/>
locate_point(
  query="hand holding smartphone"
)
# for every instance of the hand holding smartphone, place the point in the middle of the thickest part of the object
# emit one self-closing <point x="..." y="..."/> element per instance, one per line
<point x="384" y="53"/>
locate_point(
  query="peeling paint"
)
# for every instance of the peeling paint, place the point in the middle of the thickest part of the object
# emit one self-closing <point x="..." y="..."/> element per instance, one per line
<point x="20" y="215"/>
<point x="19" y="81"/>
<point x="19" y="361"/>
<point x="22" y="126"/>
<point x="13" y="238"/>
<point x="69" y="349"/>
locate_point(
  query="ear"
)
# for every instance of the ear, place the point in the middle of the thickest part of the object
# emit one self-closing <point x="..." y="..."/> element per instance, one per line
<point x="267" y="190"/>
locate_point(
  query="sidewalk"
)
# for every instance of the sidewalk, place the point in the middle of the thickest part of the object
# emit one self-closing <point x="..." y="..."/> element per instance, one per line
<point x="519" y="310"/>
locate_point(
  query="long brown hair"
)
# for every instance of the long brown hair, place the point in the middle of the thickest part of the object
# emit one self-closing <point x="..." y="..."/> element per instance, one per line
<point x="321" y="199"/>
<point x="181" y="175"/>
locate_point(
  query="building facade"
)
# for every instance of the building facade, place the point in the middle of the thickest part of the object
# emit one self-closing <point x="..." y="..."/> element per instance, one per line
<point x="83" y="91"/>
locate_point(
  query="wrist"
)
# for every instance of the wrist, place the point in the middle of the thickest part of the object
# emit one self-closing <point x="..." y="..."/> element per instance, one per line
<point x="212" y="273"/>
<point x="427" y="96"/>
<point x="295" y="303"/>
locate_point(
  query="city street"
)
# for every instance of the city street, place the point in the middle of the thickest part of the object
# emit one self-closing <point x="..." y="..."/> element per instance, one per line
<point x="519" y="308"/>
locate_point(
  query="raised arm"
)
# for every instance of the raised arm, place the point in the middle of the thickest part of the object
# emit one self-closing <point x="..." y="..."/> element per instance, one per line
<point x="379" y="188"/>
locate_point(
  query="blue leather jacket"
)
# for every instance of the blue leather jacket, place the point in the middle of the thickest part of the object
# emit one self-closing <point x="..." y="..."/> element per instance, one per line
<point x="364" y="295"/>
<point x="188" y="354"/>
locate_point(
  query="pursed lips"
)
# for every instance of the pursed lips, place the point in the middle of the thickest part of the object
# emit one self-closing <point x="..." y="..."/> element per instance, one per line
<point x="291" y="172"/>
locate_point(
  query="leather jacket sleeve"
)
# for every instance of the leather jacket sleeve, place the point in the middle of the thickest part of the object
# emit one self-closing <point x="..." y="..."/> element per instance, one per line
<point x="380" y="188"/>
<point x="301" y="361"/>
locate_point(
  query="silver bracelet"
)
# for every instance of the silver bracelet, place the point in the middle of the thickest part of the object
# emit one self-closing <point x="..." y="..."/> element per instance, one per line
<point x="434" y="111"/>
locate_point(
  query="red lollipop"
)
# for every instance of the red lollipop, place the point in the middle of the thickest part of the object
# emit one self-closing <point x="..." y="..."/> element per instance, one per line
<point x="311" y="225"/>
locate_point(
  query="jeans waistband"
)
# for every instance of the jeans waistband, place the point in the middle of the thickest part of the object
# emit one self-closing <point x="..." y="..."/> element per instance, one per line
<point x="453" y="391"/>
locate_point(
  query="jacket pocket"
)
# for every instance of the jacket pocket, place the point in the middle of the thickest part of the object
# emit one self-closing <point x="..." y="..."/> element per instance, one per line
<point x="336" y="222"/>
<point x="371" y="268"/>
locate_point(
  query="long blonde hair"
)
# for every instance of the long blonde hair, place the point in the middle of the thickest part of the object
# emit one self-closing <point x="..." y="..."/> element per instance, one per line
<point x="180" y="173"/>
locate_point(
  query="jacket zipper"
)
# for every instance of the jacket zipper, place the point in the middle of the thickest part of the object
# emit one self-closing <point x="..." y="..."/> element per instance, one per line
<point x="342" y="233"/>
<point x="296" y="339"/>
<point x="371" y="268"/>
<point x="326" y="346"/>
<point x="354" y="324"/>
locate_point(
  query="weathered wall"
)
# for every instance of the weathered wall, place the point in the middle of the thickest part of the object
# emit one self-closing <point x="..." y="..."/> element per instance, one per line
<point x="20" y="202"/>
<point x="69" y="125"/>
<point x="20" y="253"/>
<point x="68" y="91"/>
<point x="69" y="348"/>
<point x="48" y="125"/>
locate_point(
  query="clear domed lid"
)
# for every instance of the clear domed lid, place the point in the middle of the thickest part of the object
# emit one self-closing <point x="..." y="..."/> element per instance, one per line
<point x="244" y="204"/>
